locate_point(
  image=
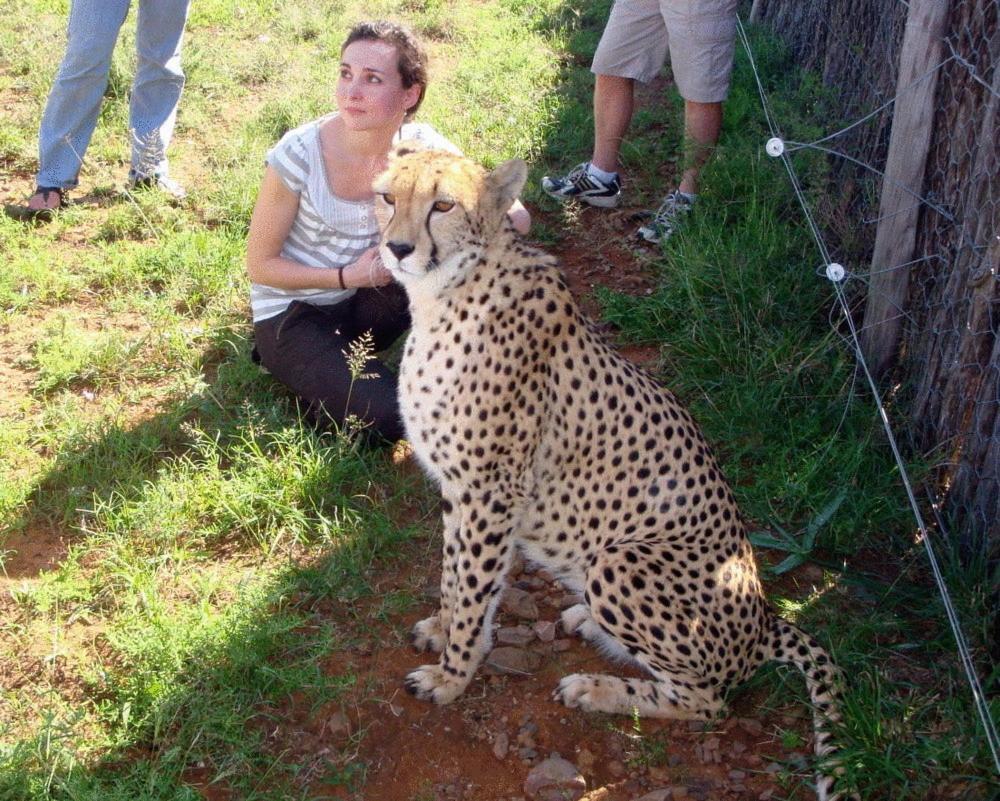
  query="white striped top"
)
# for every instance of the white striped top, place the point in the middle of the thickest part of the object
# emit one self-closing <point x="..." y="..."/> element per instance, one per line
<point x="327" y="231"/>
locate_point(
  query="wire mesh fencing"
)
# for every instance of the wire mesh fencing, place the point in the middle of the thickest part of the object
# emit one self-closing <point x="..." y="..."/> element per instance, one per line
<point x="913" y="149"/>
<point x="909" y="230"/>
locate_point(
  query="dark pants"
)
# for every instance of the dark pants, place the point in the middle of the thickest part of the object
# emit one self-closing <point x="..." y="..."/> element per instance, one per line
<point x="306" y="347"/>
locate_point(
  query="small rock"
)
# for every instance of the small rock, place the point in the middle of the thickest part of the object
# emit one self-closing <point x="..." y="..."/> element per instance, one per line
<point x="501" y="745"/>
<point x="658" y="775"/>
<point x="558" y="646"/>
<point x="527" y="754"/>
<point x="530" y="584"/>
<point x="515" y="635"/>
<point x="517" y="661"/>
<point x="571" y="599"/>
<point x="751" y="726"/>
<point x="555" y="780"/>
<point x="585" y="760"/>
<point x="338" y="725"/>
<point x="658" y="795"/>
<point x="773" y="767"/>
<point x="737" y="775"/>
<point x="519" y="604"/>
<point x="616" y="768"/>
<point x="698" y="725"/>
<point x="674" y="760"/>
<point x="545" y="630"/>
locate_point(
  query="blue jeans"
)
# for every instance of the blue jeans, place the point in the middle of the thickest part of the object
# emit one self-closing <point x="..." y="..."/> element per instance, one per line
<point x="75" y="98"/>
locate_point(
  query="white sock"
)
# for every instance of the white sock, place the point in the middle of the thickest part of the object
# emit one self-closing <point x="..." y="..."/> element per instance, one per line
<point x="601" y="175"/>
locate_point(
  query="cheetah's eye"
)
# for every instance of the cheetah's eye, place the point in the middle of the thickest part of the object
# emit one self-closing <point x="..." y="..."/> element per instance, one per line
<point x="390" y="200"/>
<point x="444" y="205"/>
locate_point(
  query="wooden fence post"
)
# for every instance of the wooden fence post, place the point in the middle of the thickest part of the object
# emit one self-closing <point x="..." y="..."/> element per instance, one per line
<point x="895" y="238"/>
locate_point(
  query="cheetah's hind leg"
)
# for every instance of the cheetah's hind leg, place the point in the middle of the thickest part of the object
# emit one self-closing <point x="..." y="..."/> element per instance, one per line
<point x="663" y="697"/>
<point x="578" y="620"/>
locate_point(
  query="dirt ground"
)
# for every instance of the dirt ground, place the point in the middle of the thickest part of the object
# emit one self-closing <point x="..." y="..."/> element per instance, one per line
<point x="484" y="746"/>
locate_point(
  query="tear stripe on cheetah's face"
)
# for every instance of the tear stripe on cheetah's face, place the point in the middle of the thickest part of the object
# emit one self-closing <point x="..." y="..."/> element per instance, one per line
<point x="544" y="438"/>
<point x="440" y="209"/>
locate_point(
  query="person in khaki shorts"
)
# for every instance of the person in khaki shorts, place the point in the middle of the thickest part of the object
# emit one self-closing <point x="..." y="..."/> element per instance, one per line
<point x="699" y="36"/>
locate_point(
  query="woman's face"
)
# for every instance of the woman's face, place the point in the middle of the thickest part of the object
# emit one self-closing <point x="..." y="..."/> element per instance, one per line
<point x="370" y="92"/>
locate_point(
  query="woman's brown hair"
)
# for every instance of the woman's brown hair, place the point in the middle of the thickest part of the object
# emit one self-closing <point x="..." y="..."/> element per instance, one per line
<point x="411" y="56"/>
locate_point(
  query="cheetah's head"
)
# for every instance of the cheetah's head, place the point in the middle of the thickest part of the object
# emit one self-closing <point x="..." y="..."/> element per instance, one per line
<point x="437" y="209"/>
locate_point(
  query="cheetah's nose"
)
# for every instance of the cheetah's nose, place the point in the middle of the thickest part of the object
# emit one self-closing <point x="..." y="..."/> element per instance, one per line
<point x="400" y="249"/>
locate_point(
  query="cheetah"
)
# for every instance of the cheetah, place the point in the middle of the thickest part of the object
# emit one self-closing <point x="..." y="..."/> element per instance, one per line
<point x="544" y="439"/>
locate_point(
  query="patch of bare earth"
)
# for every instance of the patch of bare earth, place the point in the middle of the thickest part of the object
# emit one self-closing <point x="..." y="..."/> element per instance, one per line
<point x="483" y="746"/>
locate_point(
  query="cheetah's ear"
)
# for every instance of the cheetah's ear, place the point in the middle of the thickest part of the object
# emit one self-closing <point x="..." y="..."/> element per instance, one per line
<point x="503" y="185"/>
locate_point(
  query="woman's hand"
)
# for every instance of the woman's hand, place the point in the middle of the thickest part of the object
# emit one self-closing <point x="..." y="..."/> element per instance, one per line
<point x="367" y="271"/>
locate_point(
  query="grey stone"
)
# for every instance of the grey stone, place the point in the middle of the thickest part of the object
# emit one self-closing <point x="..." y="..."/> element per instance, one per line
<point x="510" y="660"/>
<point x="519" y="603"/>
<point x="545" y="630"/>
<point x="501" y="745"/>
<point x="515" y="635"/>
<point x="664" y="794"/>
<point x="555" y="779"/>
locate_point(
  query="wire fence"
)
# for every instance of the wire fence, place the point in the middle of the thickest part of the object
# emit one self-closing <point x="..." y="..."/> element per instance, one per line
<point x="930" y="319"/>
<point x="909" y="235"/>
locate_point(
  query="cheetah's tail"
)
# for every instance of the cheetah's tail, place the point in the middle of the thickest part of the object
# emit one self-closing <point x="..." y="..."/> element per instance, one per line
<point x="824" y="680"/>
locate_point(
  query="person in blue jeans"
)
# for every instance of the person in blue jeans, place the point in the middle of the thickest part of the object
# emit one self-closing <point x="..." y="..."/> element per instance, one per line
<point x="75" y="98"/>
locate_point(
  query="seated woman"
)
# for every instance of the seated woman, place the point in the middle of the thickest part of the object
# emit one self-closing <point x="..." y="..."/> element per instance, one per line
<point x="317" y="282"/>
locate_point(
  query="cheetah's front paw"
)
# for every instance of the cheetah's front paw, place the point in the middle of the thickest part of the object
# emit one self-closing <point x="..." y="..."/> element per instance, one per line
<point x="585" y="692"/>
<point x="431" y="683"/>
<point x="429" y="635"/>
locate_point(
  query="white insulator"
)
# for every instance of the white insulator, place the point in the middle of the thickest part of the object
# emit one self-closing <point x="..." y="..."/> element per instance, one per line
<point x="835" y="272"/>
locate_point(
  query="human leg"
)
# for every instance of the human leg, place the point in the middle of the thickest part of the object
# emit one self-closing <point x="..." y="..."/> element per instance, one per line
<point x="74" y="100"/>
<point x="701" y="55"/>
<point x="385" y="311"/>
<point x="159" y="81"/>
<point x="306" y="349"/>
<point x="633" y="47"/>
<point x="613" y="106"/>
<point x="702" y="125"/>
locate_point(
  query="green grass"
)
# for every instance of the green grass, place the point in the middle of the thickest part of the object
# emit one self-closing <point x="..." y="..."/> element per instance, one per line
<point x="215" y="552"/>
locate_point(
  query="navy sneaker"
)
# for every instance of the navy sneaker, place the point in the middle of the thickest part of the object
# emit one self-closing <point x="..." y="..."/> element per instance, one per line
<point x="578" y="185"/>
<point x="667" y="218"/>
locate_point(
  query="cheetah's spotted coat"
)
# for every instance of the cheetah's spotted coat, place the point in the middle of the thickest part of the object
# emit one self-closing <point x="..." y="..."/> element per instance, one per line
<point x="543" y="438"/>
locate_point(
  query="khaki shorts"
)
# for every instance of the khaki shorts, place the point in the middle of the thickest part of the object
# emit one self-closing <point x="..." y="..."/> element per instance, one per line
<point x="698" y="34"/>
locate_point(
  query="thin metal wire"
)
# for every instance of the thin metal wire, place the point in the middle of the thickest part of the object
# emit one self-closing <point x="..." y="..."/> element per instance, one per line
<point x="922" y="200"/>
<point x="879" y="110"/>
<point x="971" y="69"/>
<point x="965" y="655"/>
